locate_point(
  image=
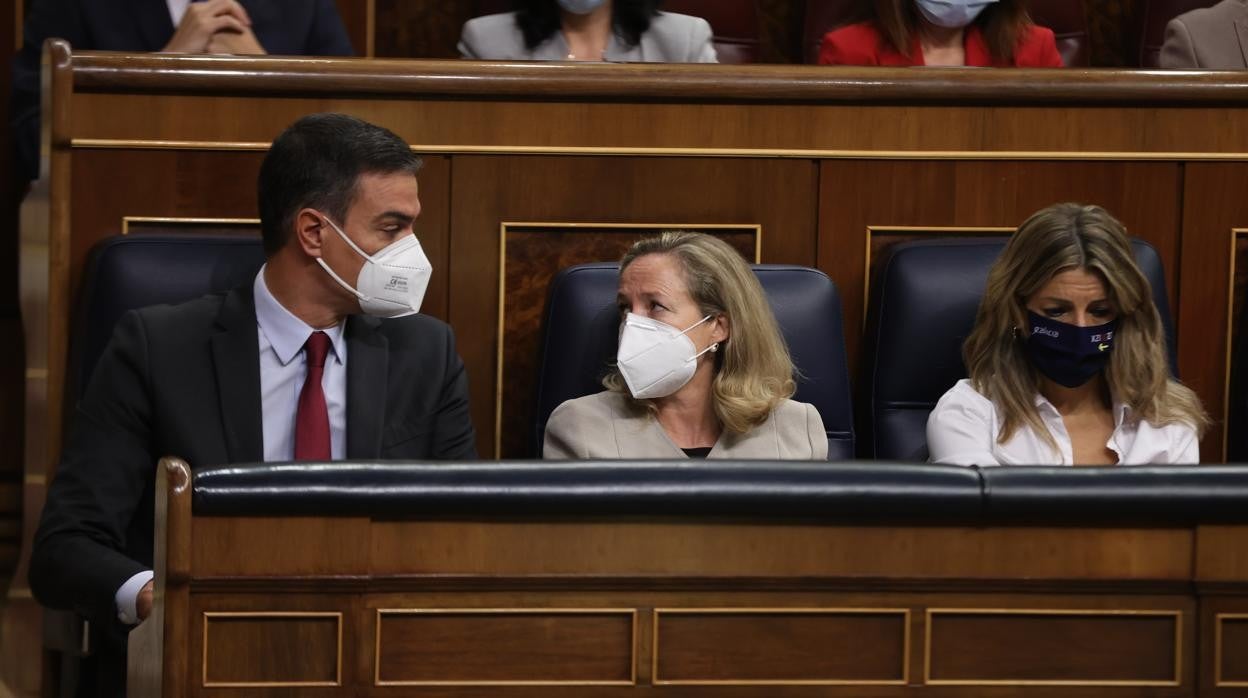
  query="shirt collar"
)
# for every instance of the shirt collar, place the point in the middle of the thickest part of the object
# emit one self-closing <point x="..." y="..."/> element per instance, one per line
<point x="286" y="333"/>
<point x="1122" y="411"/>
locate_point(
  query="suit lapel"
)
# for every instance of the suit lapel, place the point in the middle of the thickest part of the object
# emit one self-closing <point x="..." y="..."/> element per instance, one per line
<point x="154" y="22"/>
<point x="367" y="368"/>
<point x="1241" y="28"/>
<point x="236" y="358"/>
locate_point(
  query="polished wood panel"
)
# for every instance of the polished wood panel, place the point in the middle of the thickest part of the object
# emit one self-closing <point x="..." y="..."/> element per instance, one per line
<point x="358" y="17"/>
<point x="1232" y="645"/>
<point x="271" y="649"/>
<point x="1008" y="647"/>
<point x="781" y="646"/>
<point x="492" y="191"/>
<point x="532" y="255"/>
<point x="505" y="647"/>
<point x="341" y="546"/>
<point x="1213" y="206"/>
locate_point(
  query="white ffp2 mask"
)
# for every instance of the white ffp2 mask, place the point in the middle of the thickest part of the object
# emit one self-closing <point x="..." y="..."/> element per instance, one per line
<point x="655" y="358"/>
<point x="391" y="283"/>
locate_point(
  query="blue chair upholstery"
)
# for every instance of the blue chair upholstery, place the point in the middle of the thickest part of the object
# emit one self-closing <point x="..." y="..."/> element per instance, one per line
<point x="581" y="328"/>
<point x="133" y="271"/>
<point x="923" y="304"/>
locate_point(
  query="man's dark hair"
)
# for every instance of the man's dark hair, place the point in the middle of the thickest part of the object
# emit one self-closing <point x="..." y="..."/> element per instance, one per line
<point x="540" y="19"/>
<point x="316" y="163"/>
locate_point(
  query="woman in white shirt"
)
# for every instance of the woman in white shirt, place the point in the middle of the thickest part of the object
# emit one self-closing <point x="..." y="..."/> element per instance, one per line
<point x="1067" y="360"/>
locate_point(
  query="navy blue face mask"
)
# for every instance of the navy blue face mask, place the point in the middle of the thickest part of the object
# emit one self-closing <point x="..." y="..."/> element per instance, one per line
<point x="1067" y="354"/>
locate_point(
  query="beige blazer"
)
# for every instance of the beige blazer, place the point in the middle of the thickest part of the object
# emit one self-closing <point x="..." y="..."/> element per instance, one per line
<point x="604" y="426"/>
<point x="671" y="38"/>
<point x="1212" y="38"/>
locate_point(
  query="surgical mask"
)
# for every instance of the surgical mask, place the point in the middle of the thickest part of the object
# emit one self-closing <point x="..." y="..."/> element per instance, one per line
<point x="655" y="358"/>
<point x="1067" y="354"/>
<point x="952" y="14"/>
<point x="392" y="282"/>
<point x="580" y="7"/>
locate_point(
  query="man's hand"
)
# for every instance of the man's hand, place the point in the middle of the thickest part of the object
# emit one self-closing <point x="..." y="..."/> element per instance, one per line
<point x="242" y="43"/>
<point x="203" y="20"/>
<point x="143" y="604"/>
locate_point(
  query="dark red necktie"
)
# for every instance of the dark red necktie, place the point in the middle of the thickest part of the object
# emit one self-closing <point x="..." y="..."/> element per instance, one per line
<point x="312" y="416"/>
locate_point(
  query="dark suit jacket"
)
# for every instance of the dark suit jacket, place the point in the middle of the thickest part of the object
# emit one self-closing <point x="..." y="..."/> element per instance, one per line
<point x="185" y="380"/>
<point x="283" y="27"/>
<point x="863" y="44"/>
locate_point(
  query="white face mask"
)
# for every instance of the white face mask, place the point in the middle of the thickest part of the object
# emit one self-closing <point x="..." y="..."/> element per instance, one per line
<point x="655" y="358"/>
<point x="392" y="282"/>
<point x="952" y="14"/>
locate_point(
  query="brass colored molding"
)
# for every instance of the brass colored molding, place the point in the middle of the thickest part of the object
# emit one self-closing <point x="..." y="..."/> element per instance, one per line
<point x="127" y="221"/>
<point x="1217" y="650"/>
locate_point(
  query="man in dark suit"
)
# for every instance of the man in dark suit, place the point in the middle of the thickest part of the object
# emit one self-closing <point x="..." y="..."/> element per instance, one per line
<point x="279" y="27"/>
<point x="285" y="368"/>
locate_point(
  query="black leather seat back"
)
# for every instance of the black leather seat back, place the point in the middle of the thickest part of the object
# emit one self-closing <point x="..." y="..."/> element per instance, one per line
<point x="923" y="303"/>
<point x="133" y="271"/>
<point x="581" y="328"/>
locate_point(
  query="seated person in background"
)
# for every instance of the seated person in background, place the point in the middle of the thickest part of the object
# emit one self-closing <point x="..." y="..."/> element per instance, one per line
<point x="1209" y="38"/>
<point x="283" y="368"/>
<point x="1067" y="360"/>
<point x="588" y="30"/>
<point x="702" y="370"/>
<point x="985" y="33"/>
<point x="284" y="27"/>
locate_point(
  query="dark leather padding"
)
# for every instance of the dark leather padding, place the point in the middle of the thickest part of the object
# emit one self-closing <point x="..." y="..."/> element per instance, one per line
<point x="924" y="299"/>
<point x="835" y="492"/>
<point x="127" y="272"/>
<point x="581" y="329"/>
<point x="568" y="488"/>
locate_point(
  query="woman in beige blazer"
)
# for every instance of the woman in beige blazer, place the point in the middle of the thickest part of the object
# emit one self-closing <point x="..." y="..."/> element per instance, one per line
<point x="588" y="30"/>
<point x="702" y="370"/>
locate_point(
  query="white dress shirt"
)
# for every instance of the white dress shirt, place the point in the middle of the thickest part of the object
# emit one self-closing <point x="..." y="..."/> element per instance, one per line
<point x="964" y="427"/>
<point x="177" y="10"/>
<point x="281" y="336"/>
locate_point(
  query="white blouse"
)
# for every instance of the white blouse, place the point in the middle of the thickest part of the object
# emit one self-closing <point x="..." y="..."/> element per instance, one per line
<point x="963" y="430"/>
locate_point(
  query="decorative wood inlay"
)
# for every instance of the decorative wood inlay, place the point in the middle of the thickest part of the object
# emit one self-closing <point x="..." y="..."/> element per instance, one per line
<point x="272" y="649"/>
<point x="1231" y="650"/>
<point x="1053" y="647"/>
<point x="506" y="647"/>
<point x="781" y="646"/>
<point x="199" y="226"/>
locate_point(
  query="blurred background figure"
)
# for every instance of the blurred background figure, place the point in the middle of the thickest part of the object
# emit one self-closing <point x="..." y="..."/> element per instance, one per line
<point x="985" y="33"/>
<point x="1212" y="38"/>
<point x="588" y="30"/>
<point x="281" y="27"/>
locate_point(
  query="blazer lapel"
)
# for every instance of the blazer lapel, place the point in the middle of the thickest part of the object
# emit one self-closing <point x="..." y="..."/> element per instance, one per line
<point x="236" y="358"/>
<point x="1241" y="28"/>
<point x="367" y="368"/>
<point x="155" y="25"/>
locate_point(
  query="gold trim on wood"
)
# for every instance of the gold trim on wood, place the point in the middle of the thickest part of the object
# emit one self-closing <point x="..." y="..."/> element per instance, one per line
<point x="126" y="221"/>
<point x="927" y="646"/>
<point x="336" y="615"/>
<point x="801" y="153"/>
<point x="959" y="231"/>
<point x="1217" y="649"/>
<point x="904" y="613"/>
<point x="632" y="662"/>
<point x="1230" y="333"/>
<point x="506" y="226"/>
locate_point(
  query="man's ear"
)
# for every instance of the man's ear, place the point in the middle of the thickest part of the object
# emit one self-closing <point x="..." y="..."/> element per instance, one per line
<point x="310" y="231"/>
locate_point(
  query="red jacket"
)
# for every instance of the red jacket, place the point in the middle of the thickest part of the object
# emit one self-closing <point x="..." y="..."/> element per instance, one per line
<point x="862" y="44"/>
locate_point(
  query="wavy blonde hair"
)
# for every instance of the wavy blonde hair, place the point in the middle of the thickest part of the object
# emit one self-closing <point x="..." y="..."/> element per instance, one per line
<point x="753" y="370"/>
<point x="1057" y="239"/>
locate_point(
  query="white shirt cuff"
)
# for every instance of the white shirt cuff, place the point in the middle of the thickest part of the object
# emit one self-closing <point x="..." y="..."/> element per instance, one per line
<point x="127" y="597"/>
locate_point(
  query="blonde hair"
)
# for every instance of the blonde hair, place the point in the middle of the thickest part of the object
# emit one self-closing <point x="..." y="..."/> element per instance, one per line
<point x="1057" y="239"/>
<point x="753" y="371"/>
